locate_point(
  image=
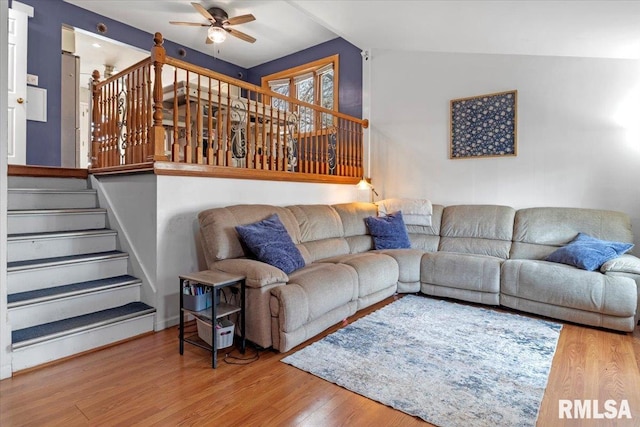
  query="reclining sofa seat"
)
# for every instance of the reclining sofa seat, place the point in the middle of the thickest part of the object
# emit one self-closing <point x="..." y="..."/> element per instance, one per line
<point x="530" y="284"/>
<point x="474" y="242"/>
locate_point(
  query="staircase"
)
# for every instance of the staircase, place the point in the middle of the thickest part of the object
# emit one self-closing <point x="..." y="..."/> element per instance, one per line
<point x="68" y="287"/>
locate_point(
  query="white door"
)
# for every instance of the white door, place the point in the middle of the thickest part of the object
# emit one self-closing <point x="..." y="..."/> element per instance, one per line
<point x="17" y="88"/>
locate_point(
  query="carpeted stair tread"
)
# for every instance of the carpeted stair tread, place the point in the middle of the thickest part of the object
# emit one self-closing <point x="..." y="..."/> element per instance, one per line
<point x="72" y="288"/>
<point x="35" y="263"/>
<point x="74" y="323"/>
<point x="59" y="234"/>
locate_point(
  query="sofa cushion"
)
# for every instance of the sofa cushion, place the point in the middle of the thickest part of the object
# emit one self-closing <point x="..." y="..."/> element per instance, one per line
<point x="566" y="286"/>
<point x="540" y="231"/>
<point x="408" y="263"/>
<point x="317" y="222"/>
<point x="376" y="271"/>
<point x="320" y="288"/>
<point x="478" y="273"/>
<point x="321" y="231"/>
<point x="269" y="241"/>
<point x="588" y="253"/>
<point x="389" y="232"/>
<point x="477" y="229"/>
<point x="219" y="238"/>
<point x="353" y="215"/>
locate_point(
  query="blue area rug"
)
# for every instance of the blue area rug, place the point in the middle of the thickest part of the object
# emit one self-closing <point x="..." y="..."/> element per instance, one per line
<point x="449" y="364"/>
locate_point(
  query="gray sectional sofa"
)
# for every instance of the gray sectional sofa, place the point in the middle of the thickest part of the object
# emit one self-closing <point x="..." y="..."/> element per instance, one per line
<point x="478" y="253"/>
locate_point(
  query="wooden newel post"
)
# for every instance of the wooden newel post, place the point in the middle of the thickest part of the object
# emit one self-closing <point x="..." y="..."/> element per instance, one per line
<point x="156" y="136"/>
<point x="96" y="119"/>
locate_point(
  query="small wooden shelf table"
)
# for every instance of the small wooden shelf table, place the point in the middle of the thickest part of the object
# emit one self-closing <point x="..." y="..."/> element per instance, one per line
<point x="216" y="280"/>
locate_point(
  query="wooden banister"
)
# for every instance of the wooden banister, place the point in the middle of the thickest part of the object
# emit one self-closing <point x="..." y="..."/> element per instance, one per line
<point x="215" y="120"/>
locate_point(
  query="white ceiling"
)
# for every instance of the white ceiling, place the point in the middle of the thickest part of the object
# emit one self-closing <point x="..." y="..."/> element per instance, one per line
<point x="607" y="29"/>
<point x="279" y="28"/>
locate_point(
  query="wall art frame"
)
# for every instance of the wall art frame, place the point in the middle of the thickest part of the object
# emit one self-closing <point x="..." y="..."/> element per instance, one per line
<point x="484" y="126"/>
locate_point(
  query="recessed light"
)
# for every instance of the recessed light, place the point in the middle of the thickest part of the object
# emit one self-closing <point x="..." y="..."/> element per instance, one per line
<point x="96" y="45"/>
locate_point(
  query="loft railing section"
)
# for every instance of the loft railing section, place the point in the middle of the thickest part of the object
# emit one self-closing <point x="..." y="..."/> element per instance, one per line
<point x="166" y="109"/>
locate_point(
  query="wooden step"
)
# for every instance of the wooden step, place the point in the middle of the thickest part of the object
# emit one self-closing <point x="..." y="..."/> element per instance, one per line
<point x="31" y="308"/>
<point x="23" y="276"/>
<point x="51" y="220"/>
<point x="48" y="198"/>
<point x="31" y="246"/>
<point x="51" y="341"/>
<point x="46" y="182"/>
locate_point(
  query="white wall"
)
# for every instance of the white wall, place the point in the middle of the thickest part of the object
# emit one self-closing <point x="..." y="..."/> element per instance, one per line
<point x="578" y="130"/>
<point x="163" y="243"/>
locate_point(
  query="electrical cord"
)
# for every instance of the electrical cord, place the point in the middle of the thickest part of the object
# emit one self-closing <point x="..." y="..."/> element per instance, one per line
<point x="232" y="359"/>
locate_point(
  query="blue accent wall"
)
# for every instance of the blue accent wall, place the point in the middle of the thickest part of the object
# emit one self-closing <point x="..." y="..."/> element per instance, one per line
<point x="350" y="74"/>
<point x="44" y="60"/>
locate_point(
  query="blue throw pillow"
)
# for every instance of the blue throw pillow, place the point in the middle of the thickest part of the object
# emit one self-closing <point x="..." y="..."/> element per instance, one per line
<point x="270" y="243"/>
<point x="388" y="232"/>
<point x="588" y="253"/>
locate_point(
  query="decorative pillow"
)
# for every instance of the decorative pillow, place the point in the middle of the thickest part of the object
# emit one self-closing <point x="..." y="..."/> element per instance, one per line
<point x="588" y="253"/>
<point x="388" y="232"/>
<point x="270" y="243"/>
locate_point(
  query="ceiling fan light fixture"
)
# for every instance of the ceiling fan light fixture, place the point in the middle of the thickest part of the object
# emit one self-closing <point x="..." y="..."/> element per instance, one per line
<point x="217" y="34"/>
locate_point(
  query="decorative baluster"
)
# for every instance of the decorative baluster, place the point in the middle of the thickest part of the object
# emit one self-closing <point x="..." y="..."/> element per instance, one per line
<point x="110" y="128"/>
<point x="324" y="151"/>
<point x="265" y="143"/>
<point x="136" y="115"/>
<point x="115" y="159"/>
<point x="187" y="106"/>
<point x="222" y="152"/>
<point x="285" y="140"/>
<point x="210" y="130"/>
<point x="341" y="140"/>
<point x="258" y="135"/>
<point x="158" y="55"/>
<point x="273" y="143"/>
<point x="352" y="154"/>
<point x="139" y="114"/>
<point x="199" y="126"/>
<point x="228" y="133"/>
<point x="146" y="122"/>
<point x="175" y="146"/>
<point x="129" y="97"/>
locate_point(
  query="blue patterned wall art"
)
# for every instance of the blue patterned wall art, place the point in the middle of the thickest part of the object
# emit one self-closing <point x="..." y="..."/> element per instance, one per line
<point x="484" y="126"/>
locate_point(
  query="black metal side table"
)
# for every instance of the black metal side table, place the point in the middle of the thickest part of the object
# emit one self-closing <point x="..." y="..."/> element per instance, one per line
<point x="215" y="280"/>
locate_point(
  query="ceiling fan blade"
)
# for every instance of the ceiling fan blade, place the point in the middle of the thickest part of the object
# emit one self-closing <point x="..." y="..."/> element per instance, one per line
<point x="204" y="12"/>
<point x="240" y="35"/>
<point x="208" y="40"/>
<point x="240" y="19"/>
<point x="191" y="24"/>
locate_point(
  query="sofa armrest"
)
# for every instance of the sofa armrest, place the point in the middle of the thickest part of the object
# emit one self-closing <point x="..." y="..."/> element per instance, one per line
<point x="258" y="273"/>
<point x="623" y="264"/>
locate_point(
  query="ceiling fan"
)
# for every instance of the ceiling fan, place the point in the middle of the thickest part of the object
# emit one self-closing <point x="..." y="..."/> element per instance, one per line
<point x="219" y="23"/>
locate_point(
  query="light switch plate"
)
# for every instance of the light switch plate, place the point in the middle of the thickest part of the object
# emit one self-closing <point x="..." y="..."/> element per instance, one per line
<point x="32" y="79"/>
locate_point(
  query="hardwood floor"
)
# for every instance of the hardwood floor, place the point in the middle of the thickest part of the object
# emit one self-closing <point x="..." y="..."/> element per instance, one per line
<point x="146" y="382"/>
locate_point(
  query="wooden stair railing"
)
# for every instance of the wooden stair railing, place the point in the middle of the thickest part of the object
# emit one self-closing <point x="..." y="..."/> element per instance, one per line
<point x="164" y="109"/>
